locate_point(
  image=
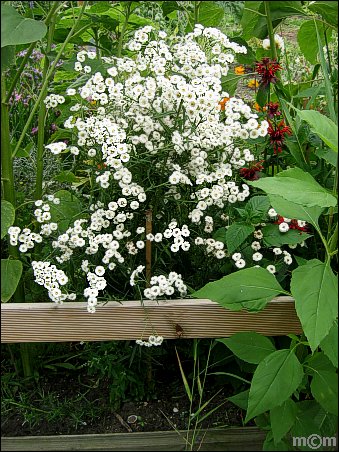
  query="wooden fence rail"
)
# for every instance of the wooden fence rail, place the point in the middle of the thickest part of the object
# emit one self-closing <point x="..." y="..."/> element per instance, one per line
<point x="48" y="322"/>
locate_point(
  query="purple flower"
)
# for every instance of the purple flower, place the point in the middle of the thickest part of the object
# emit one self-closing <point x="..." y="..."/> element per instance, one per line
<point x="34" y="131"/>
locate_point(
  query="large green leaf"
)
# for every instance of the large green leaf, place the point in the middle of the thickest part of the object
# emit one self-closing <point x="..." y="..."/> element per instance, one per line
<point x="11" y="271"/>
<point x="7" y="216"/>
<point x="324" y="388"/>
<point x="307" y="39"/>
<point x="329" y="344"/>
<point x="274" y="381"/>
<point x="314" y="288"/>
<point x="7" y="57"/>
<point x="278" y="11"/>
<point x="244" y="287"/>
<point x="210" y="14"/>
<point x="297" y="186"/>
<point x="16" y="29"/>
<point x="229" y="83"/>
<point x="322" y="126"/>
<point x="236" y="234"/>
<point x="273" y="237"/>
<point x="327" y="9"/>
<point x="249" y="346"/>
<point x="306" y="422"/>
<point x="240" y="399"/>
<point x="282" y="418"/>
<point x="67" y="211"/>
<point x="289" y="209"/>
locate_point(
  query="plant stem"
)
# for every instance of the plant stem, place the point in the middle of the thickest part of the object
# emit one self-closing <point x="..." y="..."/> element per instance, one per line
<point x="124" y="27"/>
<point x="9" y="195"/>
<point x="42" y="116"/>
<point x="270" y="31"/>
<point x="28" y="54"/>
<point x="45" y="83"/>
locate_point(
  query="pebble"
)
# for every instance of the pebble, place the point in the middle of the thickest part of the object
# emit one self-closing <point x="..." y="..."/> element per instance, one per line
<point x="175" y="410"/>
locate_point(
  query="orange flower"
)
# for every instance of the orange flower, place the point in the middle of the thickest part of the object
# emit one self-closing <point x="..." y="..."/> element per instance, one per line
<point x="239" y="70"/>
<point x="257" y="107"/>
<point x="101" y="165"/>
<point x="223" y="102"/>
<point x="253" y="83"/>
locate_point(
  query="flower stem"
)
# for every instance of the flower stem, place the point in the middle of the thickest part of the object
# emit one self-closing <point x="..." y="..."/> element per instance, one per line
<point x="270" y="31"/>
<point x="124" y="27"/>
<point x="45" y="83"/>
<point x="42" y="115"/>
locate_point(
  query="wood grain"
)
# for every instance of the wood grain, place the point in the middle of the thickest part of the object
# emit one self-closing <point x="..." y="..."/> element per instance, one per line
<point x="231" y="439"/>
<point x="48" y="322"/>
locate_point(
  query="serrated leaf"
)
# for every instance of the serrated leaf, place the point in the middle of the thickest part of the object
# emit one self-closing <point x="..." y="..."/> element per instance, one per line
<point x="274" y="381"/>
<point x="297" y="186"/>
<point x="7" y="216"/>
<point x="324" y="388"/>
<point x="282" y="418"/>
<point x="314" y="288"/>
<point x="236" y="234"/>
<point x="11" y="271"/>
<point x="251" y="285"/>
<point x="329" y="344"/>
<point x="273" y="237"/>
<point x="249" y="346"/>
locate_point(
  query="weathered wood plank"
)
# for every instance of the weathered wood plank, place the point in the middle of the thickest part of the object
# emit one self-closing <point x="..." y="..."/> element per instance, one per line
<point x="231" y="439"/>
<point x="48" y="322"/>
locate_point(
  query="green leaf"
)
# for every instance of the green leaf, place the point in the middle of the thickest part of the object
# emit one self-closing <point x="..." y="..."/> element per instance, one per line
<point x="7" y="216"/>
<point x="329" y="344"/>
<point x="270" y="445"/>
<point x="241" y="399"/>
<point x="250" y="18"/>
<point x="289" y="209"/>
<point x="257" y="208"/>
<point x="244" y="58"/>
<point x="236" y="234"/>
<point x="11" y="271"/>
<point x="262" y="94"/>
<point x="67" y="211"/>
<point x="297" y="186"/>
<point x="318" y="362"/>
<point x="248" y="286"/>
<point x="282" y="418"/>
<point x="328" y="155"/>
<point x="300" y="260"/>
<point x="306" y="422"/>
<point x="273" y="237"/>
<point x="324" y="388"/>
<point x="322" y="126"/>
<point x="66" y="176"/>
<point x="16" y="29"/>
<point x="279" y="11"/>
<point x="327" y="9"/>
<point x="314" y="288"/>
<point x="274" y="381"/>
<point x="229" y="83"/>
<point x="7" y="57"/>
<point x="168" y="7"/>
<point x="210" y="14"/>
<point x="307" y="40"/>
<point x="249" y="346"/>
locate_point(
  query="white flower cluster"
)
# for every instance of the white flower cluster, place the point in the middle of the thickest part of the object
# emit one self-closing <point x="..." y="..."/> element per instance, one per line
<point x="26" y="238"/>
<point x="53" y="100"/>
<point x="56" y="148"/>
<point x="279" y="42"/>
<point x="96" y="283"/>
<point x="135" y="273"/>
<point x="152" y="340"/>
<point x="51" y="278"/>
<point x="152" y="132"/>
<point x="160" y="286"/>
<point x="214" y="247"/>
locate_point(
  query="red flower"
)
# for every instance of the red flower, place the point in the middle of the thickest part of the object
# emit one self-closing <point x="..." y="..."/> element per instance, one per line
<point x="273" y="110"/>
<point x="267" y="69"/>
<point x="277" y="134"/>
<point x="293" y="224"/>
<point x="251" y="173"/>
